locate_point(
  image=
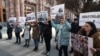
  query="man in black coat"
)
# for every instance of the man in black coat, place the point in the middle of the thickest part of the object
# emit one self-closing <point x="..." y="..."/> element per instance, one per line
<point x="47" y="34"/>
<point x="0" y="32"/>
<point x="74" y="29"/>
<point x="75" y="26"/>
<point x="9" y="30"/>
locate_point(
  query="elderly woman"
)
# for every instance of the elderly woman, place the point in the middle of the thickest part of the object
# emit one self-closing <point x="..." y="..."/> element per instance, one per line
<point x="89" y="30"/>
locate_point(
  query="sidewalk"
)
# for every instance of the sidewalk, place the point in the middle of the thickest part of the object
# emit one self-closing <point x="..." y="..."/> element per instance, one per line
<point x="8" y="48"/>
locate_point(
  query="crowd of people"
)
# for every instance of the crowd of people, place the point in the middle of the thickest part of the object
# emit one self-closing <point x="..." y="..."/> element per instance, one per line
<point x="63" y="28"/>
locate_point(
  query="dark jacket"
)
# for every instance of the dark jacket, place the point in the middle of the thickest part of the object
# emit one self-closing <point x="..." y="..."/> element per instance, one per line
<point x="0" y="27"/>
<point x="9" y="28"/>
<point x="47" y="33"/>
<point x="75" y="27"/>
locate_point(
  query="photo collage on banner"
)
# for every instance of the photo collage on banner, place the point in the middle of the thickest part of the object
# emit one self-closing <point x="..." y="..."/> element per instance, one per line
<point x="82" y="44"/>
<point x="31" y="17"/>
<point x="90" y="16"/>
<point x="42" y="16"/>
<point x="13" y="21"/>
<point x="56" y="12"/>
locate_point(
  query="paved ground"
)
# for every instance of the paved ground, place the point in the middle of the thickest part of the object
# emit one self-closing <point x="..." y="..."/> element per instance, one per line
<point x="8" y="48"/>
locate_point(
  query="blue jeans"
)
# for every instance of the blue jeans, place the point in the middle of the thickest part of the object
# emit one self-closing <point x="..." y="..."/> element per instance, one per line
<point x="36" y="42"/>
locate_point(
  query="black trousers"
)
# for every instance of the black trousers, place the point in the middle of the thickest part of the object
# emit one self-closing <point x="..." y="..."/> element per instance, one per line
<point x="0" y="35"/>
<point x="41" y="36"/>
<point x="48" y="43"/>
<point x="18" y="39"/>
<point x="9" y="35"/>
<point x="64" y="49"/>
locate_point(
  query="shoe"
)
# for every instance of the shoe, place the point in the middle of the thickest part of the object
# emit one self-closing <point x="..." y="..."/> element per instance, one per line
<point x="45" y="52"/>
<point x="7" y="39"/>
<point x="71" y="51"/>
<point x="34" y="49"/>
<point x="48" y="53"/>
<point x="25" y="45"/>
<point x="16" y="43"/>
<point x="19" y="43"/>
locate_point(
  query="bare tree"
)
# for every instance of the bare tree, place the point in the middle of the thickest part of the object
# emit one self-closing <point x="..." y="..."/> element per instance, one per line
<point x="78" y="6"/>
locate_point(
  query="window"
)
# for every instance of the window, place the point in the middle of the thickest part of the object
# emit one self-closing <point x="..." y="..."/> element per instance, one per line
<point x="4" y="3"/>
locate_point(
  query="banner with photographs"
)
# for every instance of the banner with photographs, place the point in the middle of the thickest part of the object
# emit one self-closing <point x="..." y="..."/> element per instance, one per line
<point x="12" y="20"/>
<point x="42" y="16"/>
<point x="22" y="21"/>
<point x="56" y="12"/>
<point x="82" y="44"/>
<point x="90" y="16"/>
<point x="31" y="17"/>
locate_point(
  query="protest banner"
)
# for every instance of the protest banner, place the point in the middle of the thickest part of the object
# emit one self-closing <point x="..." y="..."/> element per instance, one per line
<point x="82" y="44"/>
<point x="90" y="16"/>
<point x="31" y="17"/>
<point x="42" y="16"/>
<point x="56" y="12"/>
<point x="12" y="20"/>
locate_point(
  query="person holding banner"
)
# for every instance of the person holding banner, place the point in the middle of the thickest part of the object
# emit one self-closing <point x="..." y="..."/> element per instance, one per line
<point x="63" y="35"/>
<point x="47" y="34"/>
<point x="9" y="30"/>
<point x="27" y="34"/>
<point x="18" y="30"/>
<point x="35" y="36"/>
<point x="89" y="30"/>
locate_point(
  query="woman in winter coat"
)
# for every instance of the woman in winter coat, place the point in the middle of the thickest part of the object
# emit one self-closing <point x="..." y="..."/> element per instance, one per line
<point x="35" y="36"/>
<point x="63" y="35"/>
<point x="27" y="34"/>
<point x="18" y="30"/>
<point x="47" y="34"/>
<point x="89" y="30"/>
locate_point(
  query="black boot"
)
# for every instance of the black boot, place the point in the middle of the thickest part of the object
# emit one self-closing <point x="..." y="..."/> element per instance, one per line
<point x="71" y="51"/>
<point x="34" y="49"/>
<point x="25" y="43"/>
<point x="28" y="43"/>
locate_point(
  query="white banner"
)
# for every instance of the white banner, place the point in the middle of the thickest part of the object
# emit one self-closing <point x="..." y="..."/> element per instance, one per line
<point x="57" y="10"/>
<point x="12" y="20"/>
<point x="22" y="21"/>
<point x="31" y="17"/>
<point x="42" y="16"/>
<point x="90" y="16"/>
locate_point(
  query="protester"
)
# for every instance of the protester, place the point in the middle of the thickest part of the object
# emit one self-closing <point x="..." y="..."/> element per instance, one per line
<point x="89" y="30"/>
<point x="74" y="28"/>
<point x="9" y="30"/>
<point x="0" y="32"/>
<point x="27" y="34"/>
<point x="47" y="33"/>
<point x="63" y="35"/>
<point x="18" y="30"/>
<point x="35" y="36"/>
<point x="57" y="20"/>
<point x="41" y="28"/>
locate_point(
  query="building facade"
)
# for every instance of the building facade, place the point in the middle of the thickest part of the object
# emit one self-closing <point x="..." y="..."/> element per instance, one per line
<point x="20" y="8"/>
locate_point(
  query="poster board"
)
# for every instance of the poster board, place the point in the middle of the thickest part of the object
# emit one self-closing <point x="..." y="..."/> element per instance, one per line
<point x="90" y="16"/>
<point x="31" y="17"/>
<point x="55" y="10"/>
<point x="82" y="44"/>
<point x="42" y="16"/>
